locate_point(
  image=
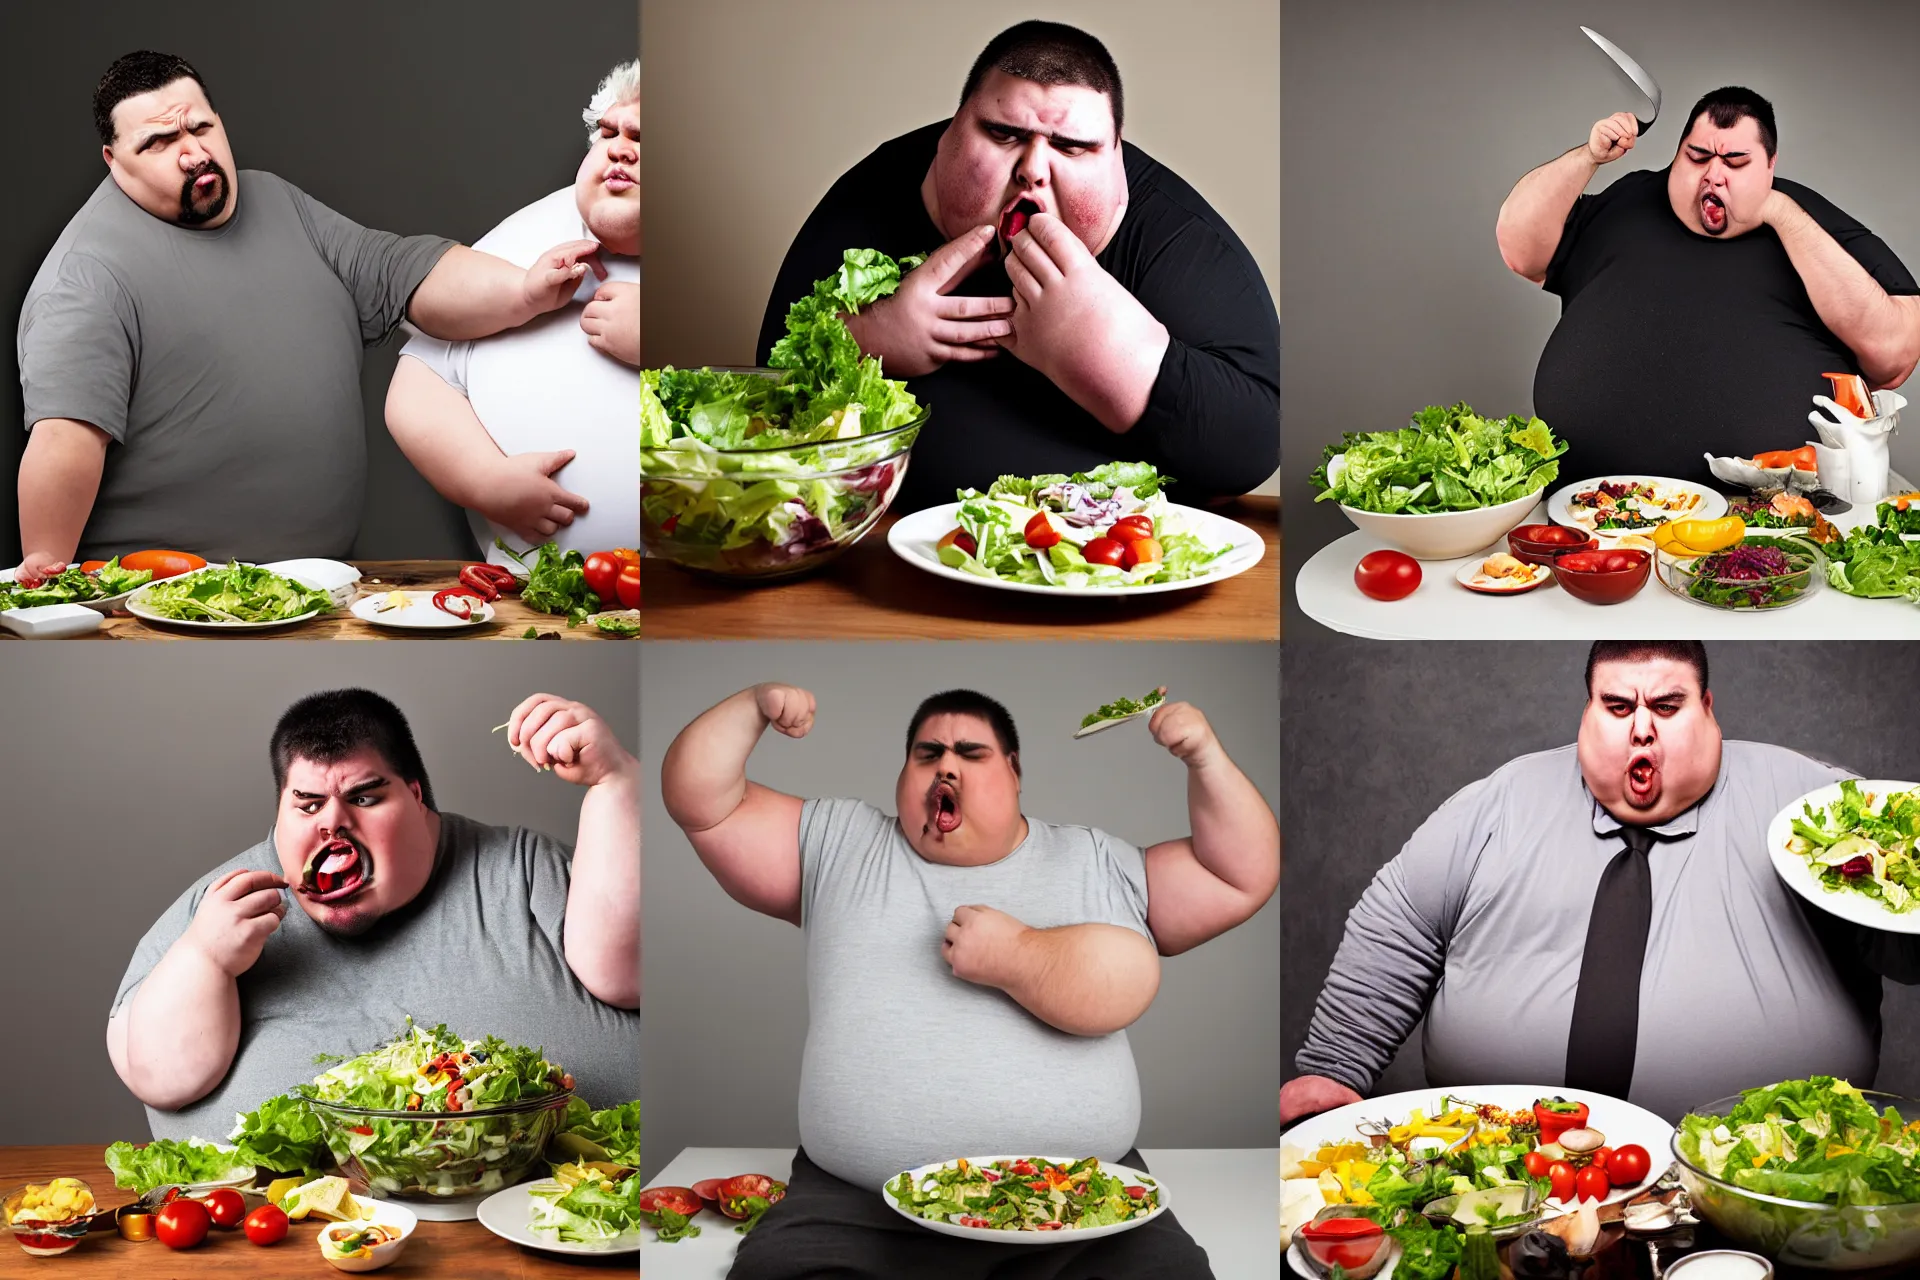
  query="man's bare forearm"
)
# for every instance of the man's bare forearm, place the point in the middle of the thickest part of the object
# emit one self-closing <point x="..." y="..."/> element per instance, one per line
<point x="1535" y="212"/>
<point x="1084" y="979"/>
<point x="1116" y="383"/>
<point x="437" y="430"/>
<point x="182" y="1030"/>
<point x="471" y="295"/>
<point x="59" y="479"/>
<point x="1883" y="332"/>
<point x="603" y="896"/>
<point x="704" y="776"/>
<point x="1234" y="833"/>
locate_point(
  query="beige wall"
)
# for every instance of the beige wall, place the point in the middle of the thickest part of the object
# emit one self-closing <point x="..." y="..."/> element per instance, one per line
<point x="754" y="107"/>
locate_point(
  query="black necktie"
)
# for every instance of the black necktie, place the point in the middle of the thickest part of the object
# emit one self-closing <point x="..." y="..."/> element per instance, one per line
<point x="1606" y="1010"/>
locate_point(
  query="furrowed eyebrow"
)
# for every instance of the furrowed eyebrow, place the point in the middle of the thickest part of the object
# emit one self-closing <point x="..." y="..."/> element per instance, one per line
<point x="1057" y="139"/>
<point x="359" y="788"/>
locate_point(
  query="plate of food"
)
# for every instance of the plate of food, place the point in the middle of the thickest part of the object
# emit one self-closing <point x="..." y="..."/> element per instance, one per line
<point x="581" y="1212"/>
<point x="1026" y="1199"/>
<point x="1501" y="575"/>
<point x="450" y="610"/>
<point x="1632" y="504"/>
<point x="1850" y="849"/>
<point x="1119" y="711"/>
<point x="100" y="585"/>
<point x="1109" y="532"/>
<point x="230" y="597"/>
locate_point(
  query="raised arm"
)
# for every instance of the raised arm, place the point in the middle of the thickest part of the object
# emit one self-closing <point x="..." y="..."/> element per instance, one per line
<point x="1535" y="211"/>
<point x="59" y="479"/>
<point x="747" y="835"/>
<point x="174" y="1039"/>
<point x="1084" y="979"/>
<point x="1882" y="331"/>
<point x="469" y="294"/>
<point x="1201" y="886"/>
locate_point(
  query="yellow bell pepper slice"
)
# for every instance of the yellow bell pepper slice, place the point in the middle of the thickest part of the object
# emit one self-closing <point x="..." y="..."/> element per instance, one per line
<point x="1690" y="538"/>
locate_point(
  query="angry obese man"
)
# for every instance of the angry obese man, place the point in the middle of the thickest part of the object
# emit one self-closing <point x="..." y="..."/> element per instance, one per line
<point x="962" y="922"/>
<point x="403" y="910"/>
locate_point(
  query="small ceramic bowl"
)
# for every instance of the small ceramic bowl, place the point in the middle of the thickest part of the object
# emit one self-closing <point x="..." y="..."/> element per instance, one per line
<point x="1586" y="575"/>
<point x="393" y="1217"/>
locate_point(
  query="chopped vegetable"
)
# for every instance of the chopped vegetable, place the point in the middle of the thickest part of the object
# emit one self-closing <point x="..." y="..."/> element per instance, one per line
<point x="1447" y="459"/>
<point x="166" y="1161"/>
<point x="557" y="583"/>
<point x="1033" y="1194"/>
<point x="1124" y="707"/>
<point x="1757" y="573"/>
<point x="283" y="1135"/>
<point x="1875" y="562"/>
<point x="75" y="585"/>
<point x="1865" y="844"/>
<point x="236" y="594"/>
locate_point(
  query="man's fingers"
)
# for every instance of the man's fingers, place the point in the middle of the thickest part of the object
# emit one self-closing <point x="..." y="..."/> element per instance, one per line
<point x="1025" y="287"/>
<point x="260" y="903"/>
<point x="573" y="502"/>
<point x="970" y="334"/>
<point x="952" y="307"/>
<point x="1063" y="249"/>
<point x="237" y="884"/>
<point x="968" y="355"/>
<point x="957" y="259"/>
<point x="1034" y="257"/>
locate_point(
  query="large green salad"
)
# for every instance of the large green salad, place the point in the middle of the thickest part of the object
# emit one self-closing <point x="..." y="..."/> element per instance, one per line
<point x="1446" y="459"/>
<point x="1815" y="1140"/>
<point x="1865" y="844"/>
<point x="238" y="593"/>
<point x="1033" y="1194"/>
<point x="75" y="586"/>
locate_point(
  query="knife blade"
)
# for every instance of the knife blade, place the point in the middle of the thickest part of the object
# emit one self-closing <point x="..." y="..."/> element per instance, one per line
<point x="1634" y="72"/>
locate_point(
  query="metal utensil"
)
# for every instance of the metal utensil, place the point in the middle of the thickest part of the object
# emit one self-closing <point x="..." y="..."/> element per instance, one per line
<point x="1634" y="72"/>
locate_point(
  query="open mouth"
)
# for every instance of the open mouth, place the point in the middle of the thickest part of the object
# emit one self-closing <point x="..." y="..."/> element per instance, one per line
<point x="335" y="871"/>
<point x="1713" y="213"/>
<point x="1014" y="220"/>
<point x="943" y="808"/>
<point x="1643" y="777"/>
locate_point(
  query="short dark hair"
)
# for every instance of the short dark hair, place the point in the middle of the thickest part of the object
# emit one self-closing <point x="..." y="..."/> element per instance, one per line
<point x="1050" y="53"/>
<point x="329" y="726"/>
<point x="1690" y="652"/>
<point x="132" y="74"/>
<point x="1727" y="107"/>
<point x="965" y="702"/>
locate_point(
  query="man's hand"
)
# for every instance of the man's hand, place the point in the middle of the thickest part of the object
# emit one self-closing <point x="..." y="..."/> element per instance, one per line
<point x="1613" y="137"/>
<point x="612" y="321"/>
<point x="571" y="739"/>
<point x="786" y="708"/>
<point x="1079" y="326"/>
<point x="1310" y="1095"/>
<point x="1184" y="731"/>
<point x="240" y="911"/>
<point x="919" y="327"/>
<point x="980" y="945"/>
<point x="553" y="279"/>
<point x="36" y="567"/>
<point x="521" y="494"/>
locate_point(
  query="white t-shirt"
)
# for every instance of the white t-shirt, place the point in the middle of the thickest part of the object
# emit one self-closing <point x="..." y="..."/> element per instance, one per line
<point x="541" y="387"/>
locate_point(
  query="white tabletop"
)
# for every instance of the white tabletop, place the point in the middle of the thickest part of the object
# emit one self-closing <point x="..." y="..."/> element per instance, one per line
<point x="1441" y="609"/>
<point x="1228" y="1200"/>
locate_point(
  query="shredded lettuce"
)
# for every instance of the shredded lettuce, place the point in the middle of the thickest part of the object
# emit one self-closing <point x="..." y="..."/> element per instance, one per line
<point x="164" y="1162"/>
<point x="1446" y="459"/>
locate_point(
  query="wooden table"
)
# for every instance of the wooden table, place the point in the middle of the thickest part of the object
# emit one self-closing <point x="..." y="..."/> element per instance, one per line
<point x="510" y="622"/>
<point x="869" y="593"/>
<point x="439" y="1249"/>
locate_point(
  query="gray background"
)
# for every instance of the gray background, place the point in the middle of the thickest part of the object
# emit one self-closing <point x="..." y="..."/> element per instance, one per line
<point x="1409" y="122"/>
<point x="726" y="988"/>
<point x="128" y="778"/>
<point x="1379" y="734"/>
<point x="434" y="116"/>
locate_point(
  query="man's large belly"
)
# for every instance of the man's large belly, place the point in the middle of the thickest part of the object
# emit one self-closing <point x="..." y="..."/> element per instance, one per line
<point x="906" y="1066"/>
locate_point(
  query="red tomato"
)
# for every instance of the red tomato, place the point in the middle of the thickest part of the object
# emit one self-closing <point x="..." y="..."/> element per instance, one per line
<point x="1536" y="1164"/>
<point x="1387" y="575"/>
<point x="681" y="1200"/>
<point x="627" y="555"/>
<point x="627" y="587"/>
<point x="1022" y="1166"/>
<point x="1142" y="551"/>
<point x="1628" y="1166"/>
<point x="225" y="1207"/>
<point x="1618" y="560"/>
<point x="1591" y="1183"/>
<point x="267" y="1225"/>
<point x="958" y="538"/>
<point x="603" y="575"/>
<point x="165" y="564"/>
<point x="753" y="1184"/>
<point x="181" y="1224"/>
<point x="967" y="1220"/>
<point x="1138" y="1193"/>
<point x="1040" y="532"/>
<point x="709" y="1189"/>
<point x="1599" y="1156"/>
<point x="93" y="566"/>
<point x="1104" y="551"/>
<point x="1561" y="1175"/>
<point x="1131" y="528"/>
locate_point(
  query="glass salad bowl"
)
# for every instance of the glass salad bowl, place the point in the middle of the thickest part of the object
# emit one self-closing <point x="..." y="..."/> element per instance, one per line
<point x="1762" y="571"/>
<point x="757" y="515"/>
<point x="1805" y="1233"/>
<point x="47" y="1219"/>
<point x="440" y="1155"/>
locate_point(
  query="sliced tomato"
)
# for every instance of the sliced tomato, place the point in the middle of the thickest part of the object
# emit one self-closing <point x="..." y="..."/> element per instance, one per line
<point x="1104" y="551"/>
<point x="753" y="1184"/>
<point x="958" y="537"/>
<point x="1131" y="528"/>
<point x="708" y="1189"/>
<point x="1040" y="533"/>
<point x="681" y="1200"/>
<point x="1142" y="551"/>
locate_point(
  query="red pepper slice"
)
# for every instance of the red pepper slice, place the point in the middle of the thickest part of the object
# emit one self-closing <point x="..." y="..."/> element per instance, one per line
<point x="476" y="577"/>
<point x="445" y="600"/>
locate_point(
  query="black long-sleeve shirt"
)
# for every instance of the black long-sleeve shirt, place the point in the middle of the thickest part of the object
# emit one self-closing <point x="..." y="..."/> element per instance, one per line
<point x="1213" y="418"/>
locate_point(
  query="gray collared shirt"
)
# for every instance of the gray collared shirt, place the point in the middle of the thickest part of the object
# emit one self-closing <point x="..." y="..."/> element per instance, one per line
<point x="1480" y="923"/>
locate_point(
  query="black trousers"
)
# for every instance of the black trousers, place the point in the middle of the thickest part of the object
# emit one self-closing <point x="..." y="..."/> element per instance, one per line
<point x="826" y="1229"/>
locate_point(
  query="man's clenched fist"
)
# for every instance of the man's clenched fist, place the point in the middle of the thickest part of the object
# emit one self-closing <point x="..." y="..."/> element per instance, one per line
<point x="786" y="708"/>
<point x="980" y="945"/>
<point x="241" y="910"/>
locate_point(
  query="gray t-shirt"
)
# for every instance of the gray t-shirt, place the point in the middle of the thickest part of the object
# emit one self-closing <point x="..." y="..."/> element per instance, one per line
<point x="906" y="1064"/>
<point x="1484" y="914"/>
<point x="479" y="949"/>
<point x="224" y="364"/>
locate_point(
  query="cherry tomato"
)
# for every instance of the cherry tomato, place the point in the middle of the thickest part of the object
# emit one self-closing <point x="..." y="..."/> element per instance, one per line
<point x="1131" y="528"/>
<point x="626" y="587"/>
<point x="1599" y="1156"/>
<point x="1618" y="561"/>
<point x="1104" y="551"/>
<point x="958" y="538"/>
<point x="1563" y="1178"/>
<point x="1142" y="551"/>
<point x="1628" y="1166"/>
<point x="681" y="1200"/>
<point x="181" y="1224"/>
<point x="93" y="566"/>
<point x="165" y="564"/>
<point x="1591" y="1183"/>
<point x="1387" y="575"/>
<point x="1022" y="1166"/>
<point x="1536" y="1164"/>
<point x="602" y="573"/>
<point x="967" y="1220"/>
<point x="267" y="1225"/>
<point x="225" y="1207"/>
<point x="1040" y="532"/>
<point x="1137" y="1193"/>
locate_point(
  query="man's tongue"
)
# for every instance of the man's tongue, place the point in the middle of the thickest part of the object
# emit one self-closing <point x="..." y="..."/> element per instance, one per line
<point x="338" y="873"/>
<point x="1015" y="219"/>
<point x="946" y="810"/>
<point x="1642" y="778"/>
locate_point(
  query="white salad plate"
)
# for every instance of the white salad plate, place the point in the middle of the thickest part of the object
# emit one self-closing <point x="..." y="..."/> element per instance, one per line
<point x="136" y="605"/>
<point x="914" y="539"/>
<point x="1799" y="876"/>
<point x="105" y="605"/>
<point x="1623" y="1124"/>
<point x="1560" y="510"/>
<point x="509" y="1214"/>
<point x="419" y="613"/>
<point x="1065" y="1236"/>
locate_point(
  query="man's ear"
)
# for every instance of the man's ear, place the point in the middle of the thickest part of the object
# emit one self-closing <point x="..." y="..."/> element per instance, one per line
<point x="415" y="788"/>
<point x="1013" y="758"/>
<point x="1706" y="700"/>
<point x="106" y="155"/>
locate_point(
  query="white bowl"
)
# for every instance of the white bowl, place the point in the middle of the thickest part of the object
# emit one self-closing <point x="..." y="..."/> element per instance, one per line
<point x="385" y="1214"/>
<point x="1445" y="535"/>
